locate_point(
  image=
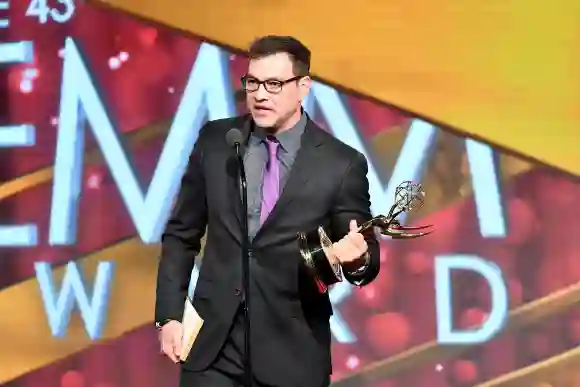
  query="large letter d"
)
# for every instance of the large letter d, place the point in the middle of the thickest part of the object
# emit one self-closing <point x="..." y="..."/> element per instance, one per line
<point x="499" y="299"/>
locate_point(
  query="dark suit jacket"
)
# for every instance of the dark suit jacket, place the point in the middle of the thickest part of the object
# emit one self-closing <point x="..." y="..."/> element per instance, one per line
<point x="290" y="318"/>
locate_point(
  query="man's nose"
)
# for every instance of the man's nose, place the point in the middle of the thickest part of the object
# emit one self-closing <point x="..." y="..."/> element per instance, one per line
<point x="261" y="94"/>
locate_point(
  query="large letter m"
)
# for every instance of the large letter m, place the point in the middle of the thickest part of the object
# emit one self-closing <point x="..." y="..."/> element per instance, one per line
<point x="208" y="90"/>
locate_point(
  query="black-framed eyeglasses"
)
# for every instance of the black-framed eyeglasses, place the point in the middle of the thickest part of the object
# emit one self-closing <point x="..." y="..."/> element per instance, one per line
<point x="274" y="86"/>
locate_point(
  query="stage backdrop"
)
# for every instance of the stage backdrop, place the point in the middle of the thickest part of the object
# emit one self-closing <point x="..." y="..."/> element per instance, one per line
<point x="139" y="94"/>
<point x="480" y="66"/>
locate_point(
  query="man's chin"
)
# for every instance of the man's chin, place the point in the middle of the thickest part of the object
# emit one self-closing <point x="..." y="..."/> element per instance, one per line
<point x="264" y="122"/>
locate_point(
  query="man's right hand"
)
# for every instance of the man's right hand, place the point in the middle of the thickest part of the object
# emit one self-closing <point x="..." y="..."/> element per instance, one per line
<point x="170" y="338"/>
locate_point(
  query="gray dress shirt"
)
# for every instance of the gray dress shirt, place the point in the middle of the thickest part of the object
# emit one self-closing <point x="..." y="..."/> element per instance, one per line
<point x="256" y="159"/>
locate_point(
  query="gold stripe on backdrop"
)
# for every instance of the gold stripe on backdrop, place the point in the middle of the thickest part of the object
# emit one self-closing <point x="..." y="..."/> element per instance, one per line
<point x="44" y="175"/>
<point x="483" y="67"/>
<point x="27" y="343"/>
<point x="562" y="370"/>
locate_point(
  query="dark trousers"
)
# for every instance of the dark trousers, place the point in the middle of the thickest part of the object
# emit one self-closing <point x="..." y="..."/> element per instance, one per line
<point x="228" y="369"/>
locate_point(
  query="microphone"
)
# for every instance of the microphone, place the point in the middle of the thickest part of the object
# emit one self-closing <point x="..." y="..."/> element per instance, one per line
<point x="235" y="139"/>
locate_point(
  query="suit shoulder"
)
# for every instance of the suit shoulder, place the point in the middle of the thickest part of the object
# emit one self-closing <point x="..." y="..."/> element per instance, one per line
<point x="226" y="123"/>
<point x="218" y="128"/>
<point x="340" y="149"/>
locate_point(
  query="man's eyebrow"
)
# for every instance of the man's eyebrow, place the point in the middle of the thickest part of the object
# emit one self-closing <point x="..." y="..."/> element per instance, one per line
<point x="265" y="80"/>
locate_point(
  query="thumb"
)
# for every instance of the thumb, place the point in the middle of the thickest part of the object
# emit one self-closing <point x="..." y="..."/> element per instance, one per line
<point x="353" y="226"/>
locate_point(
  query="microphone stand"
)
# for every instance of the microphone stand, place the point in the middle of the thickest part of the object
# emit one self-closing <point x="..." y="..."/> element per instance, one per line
<point x="248" y="375"/>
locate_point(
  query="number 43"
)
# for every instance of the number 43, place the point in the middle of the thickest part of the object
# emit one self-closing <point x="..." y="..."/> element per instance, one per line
<point x="41" y="10"/>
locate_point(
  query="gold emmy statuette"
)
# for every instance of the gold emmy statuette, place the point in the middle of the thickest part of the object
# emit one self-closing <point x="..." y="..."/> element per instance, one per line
<point x="316" y="247"/>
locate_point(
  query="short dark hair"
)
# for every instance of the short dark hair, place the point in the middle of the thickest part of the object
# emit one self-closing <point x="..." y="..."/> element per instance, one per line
<point x="274" y="44"/>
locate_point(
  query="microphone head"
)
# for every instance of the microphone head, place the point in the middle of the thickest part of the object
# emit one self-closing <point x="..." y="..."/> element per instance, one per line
<point x="234" y="137"/>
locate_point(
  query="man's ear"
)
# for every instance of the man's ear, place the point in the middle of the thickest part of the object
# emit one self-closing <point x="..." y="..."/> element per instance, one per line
<point x="304" y="87"/>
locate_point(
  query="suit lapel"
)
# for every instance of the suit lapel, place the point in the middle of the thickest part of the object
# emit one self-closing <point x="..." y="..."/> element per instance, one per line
<point x="300" y="173"/>
<point x="233" y="170"/>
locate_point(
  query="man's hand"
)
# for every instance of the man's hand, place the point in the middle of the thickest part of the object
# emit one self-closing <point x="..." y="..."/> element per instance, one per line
<point x="170" y="339"/>
<point x="350" y="249"/>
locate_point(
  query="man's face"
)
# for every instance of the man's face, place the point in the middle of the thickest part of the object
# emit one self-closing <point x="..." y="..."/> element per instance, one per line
<point x="273" y="109"/>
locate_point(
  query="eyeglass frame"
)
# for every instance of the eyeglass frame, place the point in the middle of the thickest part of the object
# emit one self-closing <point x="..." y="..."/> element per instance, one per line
<point x="260" y="83"/>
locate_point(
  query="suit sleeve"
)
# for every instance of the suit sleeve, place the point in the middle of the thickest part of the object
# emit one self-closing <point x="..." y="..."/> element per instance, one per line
<point x="181" y="240"/>
<point x="353" y="202"/>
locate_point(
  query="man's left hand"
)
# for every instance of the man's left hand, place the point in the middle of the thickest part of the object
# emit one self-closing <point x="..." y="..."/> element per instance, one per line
<point x="351" y="248"/>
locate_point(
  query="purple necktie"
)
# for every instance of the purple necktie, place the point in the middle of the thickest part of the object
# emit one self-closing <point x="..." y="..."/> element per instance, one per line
<point x="270" y="180"/>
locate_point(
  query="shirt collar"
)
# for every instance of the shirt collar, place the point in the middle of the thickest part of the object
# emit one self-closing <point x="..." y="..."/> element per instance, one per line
<point x="289" y="139"/>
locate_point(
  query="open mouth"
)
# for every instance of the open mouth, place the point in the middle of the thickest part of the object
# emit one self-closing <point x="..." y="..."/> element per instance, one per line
<point x="262" y="110"/>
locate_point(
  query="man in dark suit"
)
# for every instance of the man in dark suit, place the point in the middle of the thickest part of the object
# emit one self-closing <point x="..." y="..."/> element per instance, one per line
<point x="299" y="177"/>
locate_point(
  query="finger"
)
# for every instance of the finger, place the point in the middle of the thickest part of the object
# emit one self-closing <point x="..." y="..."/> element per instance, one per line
<point x="353" y="226"/>
<point x="337" y="250"/>
<point x="177" y="348"/>
<point x="364" y="248"/>
<point x="348" y="246"/>
<point x="168" y="351"/>
<point x="356" y="240"/>
<point x="173" y="358"/>
<point x="358" y="244"/>
<point x="351" y="240"/>
<point x="342" y="244"/>
<point x="175" y="354"/>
